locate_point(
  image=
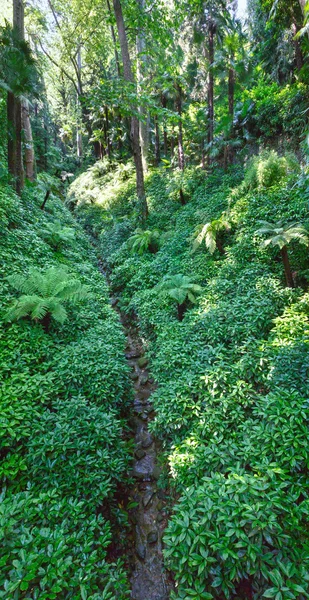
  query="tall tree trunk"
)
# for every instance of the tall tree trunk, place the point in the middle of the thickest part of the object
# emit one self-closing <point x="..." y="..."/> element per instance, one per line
<point x="287" y="267"/>
<point x="165" y="144"/>
<point x="117" y="61"/>
<point x="108" y="141"/>
<point x="181" y="156"/>
<point x="15" y="160"/>
<point x="29" y="150"/>
<point x="157" y="141"/>
<point x="79" y="139"/>
<point x="144" y="124"/>
<point x="231" y="91"/>
<point x="210" y="92"/>
<point x="128" y="75"/>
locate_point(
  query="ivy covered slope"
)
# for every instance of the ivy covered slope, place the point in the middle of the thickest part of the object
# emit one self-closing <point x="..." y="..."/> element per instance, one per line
<point x="64" y="387"/>
<point x="232" y="399"/>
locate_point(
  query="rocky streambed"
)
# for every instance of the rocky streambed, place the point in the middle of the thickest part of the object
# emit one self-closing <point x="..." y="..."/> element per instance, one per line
<point x="149" y="580"/>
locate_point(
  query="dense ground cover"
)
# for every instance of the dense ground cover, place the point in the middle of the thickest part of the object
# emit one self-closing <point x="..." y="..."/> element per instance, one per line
<point x="231" y="404"/>
<point x="62" y="399"/>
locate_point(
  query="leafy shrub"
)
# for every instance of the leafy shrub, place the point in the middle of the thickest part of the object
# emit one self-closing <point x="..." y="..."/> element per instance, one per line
<point x="143" y="240"/>
<point x="266" y="170"/>
<point x="56" y="235"/>
<point x="52" y="547"/>
<point x="87" y="440"/>
<point x="56" y="391"/>
<point x="43" y="295"/>
<point x="237" y="529"/>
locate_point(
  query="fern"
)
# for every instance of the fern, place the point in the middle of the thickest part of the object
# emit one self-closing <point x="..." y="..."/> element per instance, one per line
<point x="56" y="235"/>
<point x="281" y="235"/>
<point x="44" y="294"/>
<point x="210" y="233"/>
<point x="144" y="240"/>
<point x="181" y="289"/>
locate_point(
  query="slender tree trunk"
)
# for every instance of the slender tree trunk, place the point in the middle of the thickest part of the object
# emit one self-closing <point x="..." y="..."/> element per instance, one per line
<point x="128" y="75"/>
<point x="229" y="154"/>
<point x="15" y="161"/>
<point x="29" y="150"/>
<point x="144" y="124"/>
<point x="287" y="267"/>
<point x="181" y="309"/>
<point x="79" y="139"/>
<point x="220" y="246"/>
<point x="165" y="143"/>
<point x="210" y="93"/>
<point x="117" y="61"/>
<point x="157" y="141"/>
<point x="108" y="141"/>
<point x="181" y="156"/>
<point x="11" y="135"/>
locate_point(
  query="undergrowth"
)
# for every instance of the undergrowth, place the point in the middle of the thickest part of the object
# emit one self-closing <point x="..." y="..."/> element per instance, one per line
<point x="63" y="395"/>
<point x="231" y="403"/>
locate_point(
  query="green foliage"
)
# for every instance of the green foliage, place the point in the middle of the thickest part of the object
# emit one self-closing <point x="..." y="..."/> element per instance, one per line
<point x="281" y="235"/>
<point x="236" y="528"/>
<point x="231" y="402"/>
<point x="57" y="236"/>
<point x="63" y="452"/>
<point x="180" y="288"/>
<point x="143" y="240"/>
<point x="44" y="294"/>
<point x="266" y="170"/>
<point x="210" y="234"/>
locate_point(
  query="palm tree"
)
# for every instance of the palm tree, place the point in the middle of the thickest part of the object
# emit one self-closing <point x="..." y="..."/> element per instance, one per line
<point x="180" y="288"/>
<point x="281" y="235"/>
<point x="211" y="234"/>
<point x="43" y="295"/>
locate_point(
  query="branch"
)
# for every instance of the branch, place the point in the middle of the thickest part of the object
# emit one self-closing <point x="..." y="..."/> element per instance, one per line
<point x="60" y="68"/>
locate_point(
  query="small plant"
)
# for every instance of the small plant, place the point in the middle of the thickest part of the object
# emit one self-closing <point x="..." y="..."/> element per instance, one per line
<point x="210" y="233"/>
<point x="44" y="294"/>
<point x="145" y="240"/>
<point x="181" y="289"/>
<point x="56" y="235"/>
<point x="281" y="235"/>
<point x="266" y="170"/>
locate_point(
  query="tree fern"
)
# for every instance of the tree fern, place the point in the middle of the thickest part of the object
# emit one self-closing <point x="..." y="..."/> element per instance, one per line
<point x="56" y="235"/>
<point x="43" y="295"/>
<point x="210" y="233"/>
<point x="144" y="240"/>
<point x="181" y="289"/>
<point x="281" y="235"/>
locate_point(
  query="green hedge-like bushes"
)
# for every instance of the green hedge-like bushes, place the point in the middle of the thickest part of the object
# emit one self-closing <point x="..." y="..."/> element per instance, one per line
<point x="231" y="402"/>
<point x="62" y="397"/>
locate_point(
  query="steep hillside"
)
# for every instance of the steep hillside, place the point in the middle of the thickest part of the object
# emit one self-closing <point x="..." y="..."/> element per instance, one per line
<point x="231" y="402"/>
<point x="64" y="391"/>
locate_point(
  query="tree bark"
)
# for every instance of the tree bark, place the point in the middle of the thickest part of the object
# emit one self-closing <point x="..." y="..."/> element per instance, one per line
<point x="14" y="146"/>
<point x="181" y="156"/>
<point x="210" y="93"/>
<point x="228" y="151"/>
<point x="128" y="75"/>
<point x="157" y="141"/>
<point x="144" y="124"/>
<point x="165" y="144"/>
<point x="79" y="139"/>
<point x="287" y="267"/>
<point x="29" y="150"/>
